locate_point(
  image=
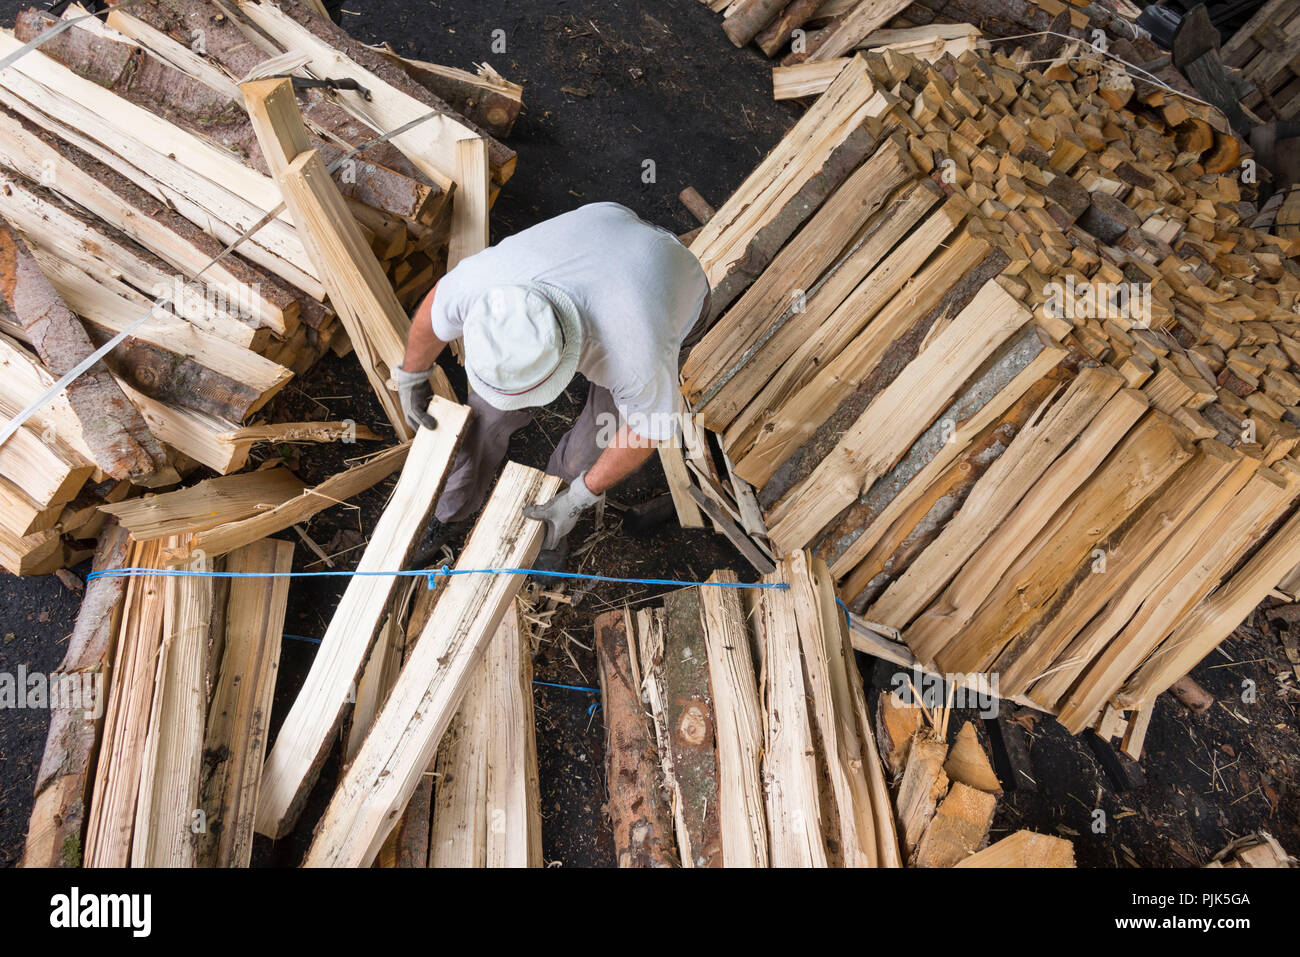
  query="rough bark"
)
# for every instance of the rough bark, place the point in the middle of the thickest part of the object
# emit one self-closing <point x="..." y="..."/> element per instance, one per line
<point x="56" y="831"/>
<point x="113" y="428"/>
<point x="197" y="108"/>
<point x="642" y="823"/>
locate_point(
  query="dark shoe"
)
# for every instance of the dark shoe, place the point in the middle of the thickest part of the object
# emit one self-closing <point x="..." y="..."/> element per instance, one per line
<point x="551" y="560"/>
<point x="429" y="552"/>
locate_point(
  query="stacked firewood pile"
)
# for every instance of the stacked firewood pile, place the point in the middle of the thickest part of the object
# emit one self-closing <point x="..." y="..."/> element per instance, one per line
<point x="815" y="31"/>
<point x="737" y="735"/>
<point x="994" y="343"/>
<point x="757" y="749"/>
<point x="130" y="159"/>
<point x="166" y="763"/>
<point x="1264" y="50"/>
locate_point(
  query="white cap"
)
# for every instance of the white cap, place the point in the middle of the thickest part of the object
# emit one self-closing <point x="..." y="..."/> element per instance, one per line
<point x="522" y="345"/>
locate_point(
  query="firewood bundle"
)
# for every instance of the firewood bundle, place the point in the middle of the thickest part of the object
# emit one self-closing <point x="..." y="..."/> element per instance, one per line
<point x="818" y="31"/>
<point x="757" y="749"/>
<point x="167" y="764"/>
<point x="158" y="762"/>
<point x="994" y="344"/>
<point x="1264" y="50"/>
<point x="132" y="153"/>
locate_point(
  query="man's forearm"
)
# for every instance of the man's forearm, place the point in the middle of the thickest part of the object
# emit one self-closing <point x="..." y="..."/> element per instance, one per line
<point x="625" y="455"/>
<point x="422" y="346"/>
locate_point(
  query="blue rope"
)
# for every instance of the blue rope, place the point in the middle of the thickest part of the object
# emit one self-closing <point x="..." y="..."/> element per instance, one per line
<point x="552" y="684"/>
<point x="314" y="641"/>
<point x="428" y="574"/>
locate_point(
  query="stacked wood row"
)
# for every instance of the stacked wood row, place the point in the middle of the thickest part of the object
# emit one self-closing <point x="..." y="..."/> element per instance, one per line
<point x="994" y="343"/>
<point x="737" y="732"/>
<point x="168" y="764"/>
<point x="808" y="31"/>
<point x="130" y="158"/>
<point x="158" y="762"/>
<point x="1264" y="49"/>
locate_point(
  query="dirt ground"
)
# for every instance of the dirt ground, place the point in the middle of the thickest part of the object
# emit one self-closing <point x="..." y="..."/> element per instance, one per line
<point x="608" y="86"/>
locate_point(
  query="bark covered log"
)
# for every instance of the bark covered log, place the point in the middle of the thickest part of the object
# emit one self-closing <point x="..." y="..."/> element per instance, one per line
<point x="112" y="427"/>
<point x="642" y="823"/>
<point x="56" y="830"/>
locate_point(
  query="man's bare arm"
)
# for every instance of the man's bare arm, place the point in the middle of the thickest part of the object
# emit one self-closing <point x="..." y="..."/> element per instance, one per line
<point x="627" y="453"/>
<point x="422" y="346"/>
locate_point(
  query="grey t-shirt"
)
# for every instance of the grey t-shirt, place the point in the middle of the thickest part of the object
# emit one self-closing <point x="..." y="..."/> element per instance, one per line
<point x="637" y="288"/>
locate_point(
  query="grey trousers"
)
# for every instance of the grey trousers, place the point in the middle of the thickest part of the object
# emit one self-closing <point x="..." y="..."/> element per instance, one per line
<point x="487" y="440"/>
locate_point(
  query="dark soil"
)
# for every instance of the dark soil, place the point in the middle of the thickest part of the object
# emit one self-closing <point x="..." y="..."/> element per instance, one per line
<point x="608" y="86"/>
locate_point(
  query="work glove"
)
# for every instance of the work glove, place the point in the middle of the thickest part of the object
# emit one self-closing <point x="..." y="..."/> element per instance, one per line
<point x="415" y="393"/>
<point x="562" y="512"/>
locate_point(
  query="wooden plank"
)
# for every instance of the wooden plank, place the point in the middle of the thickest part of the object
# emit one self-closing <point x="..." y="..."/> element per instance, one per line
<point x="794" y="808"/>
<point x="1149" y="455"/>
<point x="811" y="421"/>
<point x="111" y="258"/>
<point x="360" y="291"/>
<point x="173" y="751"/>
<point x="392" y="98"/>
<point x="228" y="536"/>
<point x="815" y="248"/>
<point x="836" y="309"/>
<point x="831" y="674"/>
<point x="1188" y="583"/>
<point x="166" y="357"/>
<point x="679" y="486"/>
<point x="733" y="532"/>
<point x="305" y="737"/>
<point x="211" y="502"/>
<point x="200" y="180"/>
<point x="238" y="722"/>
<point x="195" y="434"/>
<point x="992" y="410"/>
<point x="138" y="214"/>
<point x="997" y="492"/>
<point x="1213" y="620"/>
<point x="485" y="97"/>
<point x="487" y="811"/>
<point x="187" y="91"/>
<point x="805" y="79"/>
<point x="377" y="785"/>
<point x="1125" y="601"/>
<point x="739" y="725"/>
<point x="117" y="768"/>
<point x="810" y="162"/>
<point x="847" y="30"/>
<point x="1030" y="655"/>
<point x="883" y="432"/>
<point x="430" y="145"/>
<point x="469" y="214"/>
